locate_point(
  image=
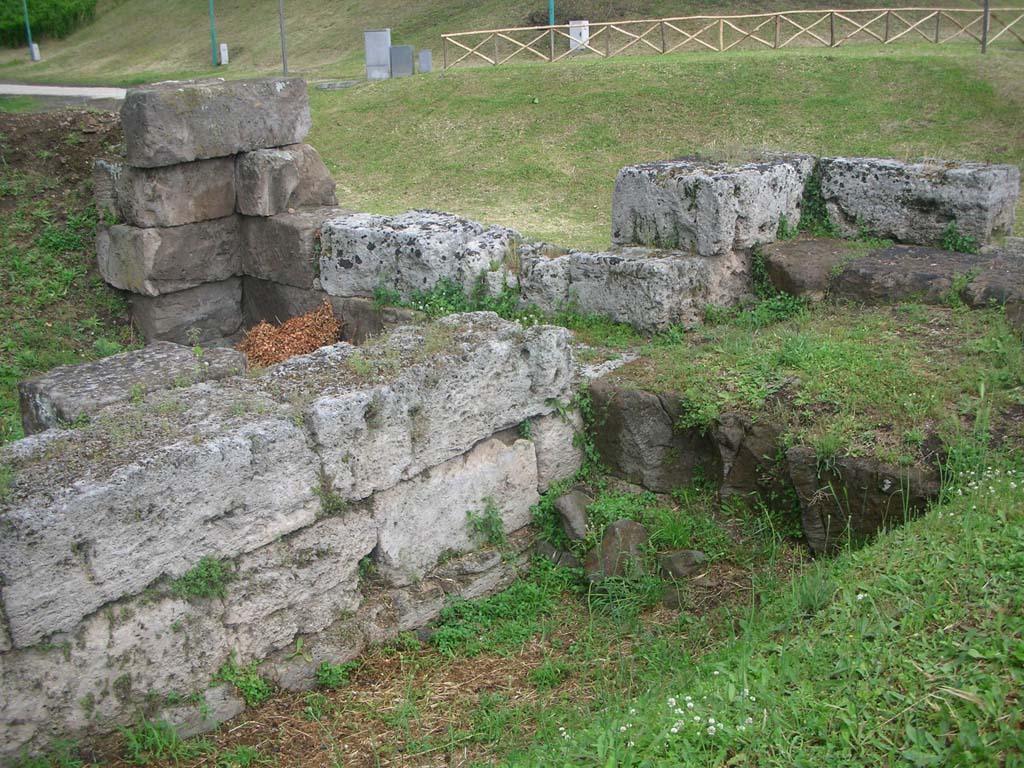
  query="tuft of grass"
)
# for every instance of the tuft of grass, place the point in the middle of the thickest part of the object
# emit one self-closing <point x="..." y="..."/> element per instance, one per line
<point x="332" y="676"/>
<point x="487" y="526"/>
<point x="151" y="741"/>
<point x="208" y="578"/>
<point x="254" y="688"/>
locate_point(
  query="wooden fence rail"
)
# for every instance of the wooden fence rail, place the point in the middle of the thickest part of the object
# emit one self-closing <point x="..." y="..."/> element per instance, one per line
<point x="831" y="28"/>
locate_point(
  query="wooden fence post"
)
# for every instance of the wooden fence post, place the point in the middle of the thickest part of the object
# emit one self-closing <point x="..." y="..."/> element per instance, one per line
<point x="495" y="37"/>
<point x="663" y="46"/>
<point x="444" y="49"/>
<point x="721" y="35"/>
<point x="986" y="13"/>
<point x="778" y="30"/>
<point x="551" y="37"/>
<point x="888" y="18"/>
<point x="938" y="21"/>
<point x="831" y="30"/>
<point x="608" y="41"/>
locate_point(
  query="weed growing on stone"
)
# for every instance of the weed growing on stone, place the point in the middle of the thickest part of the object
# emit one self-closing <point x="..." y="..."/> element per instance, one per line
<point x="254" y="688"/>
<point x="814" y="218"/>
<point x="332" y="503"/>
<point x="954" y="240"/>
<point x="208" y="578"/>
<point x="487" y="525"/>
<point x="148" y="741"/>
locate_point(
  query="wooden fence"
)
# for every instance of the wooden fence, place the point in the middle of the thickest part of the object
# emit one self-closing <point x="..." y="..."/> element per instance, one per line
<point x="830" y="28"/>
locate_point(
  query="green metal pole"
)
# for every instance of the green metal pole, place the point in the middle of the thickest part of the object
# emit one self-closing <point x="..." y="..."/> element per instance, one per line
<point x="213" y="35"/>
<point x="28" y="27"/>
<point x="551" y="12"/>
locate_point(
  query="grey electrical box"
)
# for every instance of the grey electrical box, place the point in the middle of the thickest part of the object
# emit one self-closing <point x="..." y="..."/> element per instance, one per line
<point x="378" y="53"/>
<point x="426" y="61"/>
<point x="401" y="60"/>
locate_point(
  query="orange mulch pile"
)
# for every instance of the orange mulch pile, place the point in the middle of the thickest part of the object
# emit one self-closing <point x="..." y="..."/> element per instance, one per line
<point x="267" y="344"/>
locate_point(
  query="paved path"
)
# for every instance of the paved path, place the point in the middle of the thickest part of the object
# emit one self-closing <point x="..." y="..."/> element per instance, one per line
<point x="61" y="91"/>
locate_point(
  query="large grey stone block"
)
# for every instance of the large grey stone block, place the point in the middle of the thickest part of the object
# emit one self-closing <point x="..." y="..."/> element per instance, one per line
<point x="427" y="516"/>
<point x="70" y="392"/>
<point x="284" y="248"/>
<point x="401" y="58"/>
<point x="710" y="208"/>
<point x="916" y="202"/>
<point x="210" y="313"/>
<point x="271" y="181"/>
<point x="465" y="378"/>
<point x="410" y="252"/>
<point x="173" y="123"/>
<point x="649" y="290"/>
<point x="148" y="509"/>
<point x="166" y="197"/>
<point x="155" y="261"/>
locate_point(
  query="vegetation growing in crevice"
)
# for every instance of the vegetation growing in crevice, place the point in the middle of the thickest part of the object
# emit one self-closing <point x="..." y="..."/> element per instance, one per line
<point x="208" y="578"/>
<point x="253" y="687"/>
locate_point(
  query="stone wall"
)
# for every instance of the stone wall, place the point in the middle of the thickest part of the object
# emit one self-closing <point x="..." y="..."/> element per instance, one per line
<point x="216" y="186"/>
<point x="291" y="479"/>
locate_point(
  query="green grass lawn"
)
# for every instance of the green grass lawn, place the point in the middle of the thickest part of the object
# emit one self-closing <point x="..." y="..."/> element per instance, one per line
<point x="134" y="41"/>
<point x="537" y="147"/>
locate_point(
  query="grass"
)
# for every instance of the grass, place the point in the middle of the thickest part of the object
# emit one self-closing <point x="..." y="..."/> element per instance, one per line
<point x="847" y="380"/>
<point x="19" y="104"/>
<point x="537" y="148"/>
<point x="134" y="41"/>
<point x="54" y="308"/>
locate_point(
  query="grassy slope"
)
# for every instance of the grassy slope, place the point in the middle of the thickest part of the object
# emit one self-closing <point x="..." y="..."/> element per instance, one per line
<point x="138" y="40"/>
<point x="537" y="148"/>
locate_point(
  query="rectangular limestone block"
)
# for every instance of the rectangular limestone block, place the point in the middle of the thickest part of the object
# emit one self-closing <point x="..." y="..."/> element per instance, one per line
<point x="428" y="515"/>
<point x="411" y="252"/>
<point x="284" y="248"/>
<point x="173" y="123"/>
<point x="172" y="195"/>
<point x="70" y="392"/>
<point x="103" y="511"/>
<point x="271" y="181"/>
<point x="650" y="290"/>
<point x="208" y="313"/>
<point x="708" y="207"/>
<point x="917" y="202"/>
<point x="157" y="260"/>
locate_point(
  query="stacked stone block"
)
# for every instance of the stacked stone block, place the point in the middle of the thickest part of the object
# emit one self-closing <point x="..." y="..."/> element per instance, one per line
<point x="290" y="478"/>
<point x="215" y="183"/>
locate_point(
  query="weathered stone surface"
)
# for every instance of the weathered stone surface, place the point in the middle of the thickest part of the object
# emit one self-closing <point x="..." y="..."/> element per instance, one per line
<point x="753" y="462"/>
<point x="682" y="564"/>
<point x="410" y="252"/>
<point x="558" y="455"/>
<point x="620" y="553"/>
<point x="219" y="704"/>
<point x="299" y="585"/>
<point x="284" y="248"/>
<point x="78" y="542"/>
<point x="905" y="272"/>
<point x="362" y="319"/>
<point x="214" y="310"/>
<point x="916" y="202"/>
<point x="173" y="123"/>
<point x="806" y="266"/>
<point x="710" y="208"/>
<point x="649" y="290"/>
<point x="426" y="516"/>
<point x="637" y="437"/>
<point x="270" y="181"/>
<point x="557" y="556"/>
<point x="572" y="508"/>
<point x="1015" y="316"/>
<point x="166" y="197"/>
<point x="487" y="375"/>
<point x="157" y="261"/>
<point x="854" y="498"/>
<point x="71" y="392"/>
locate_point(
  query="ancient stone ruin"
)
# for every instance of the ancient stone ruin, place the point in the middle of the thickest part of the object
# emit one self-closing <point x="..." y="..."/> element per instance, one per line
<point x="332" y="494"/>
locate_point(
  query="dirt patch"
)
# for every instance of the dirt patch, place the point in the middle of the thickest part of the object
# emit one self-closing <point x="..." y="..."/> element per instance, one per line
<point x="267" y="344"/>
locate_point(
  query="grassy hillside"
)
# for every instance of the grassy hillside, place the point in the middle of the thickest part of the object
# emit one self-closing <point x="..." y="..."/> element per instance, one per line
<point x="137" y="40"/>
<point x="537" y="147"/>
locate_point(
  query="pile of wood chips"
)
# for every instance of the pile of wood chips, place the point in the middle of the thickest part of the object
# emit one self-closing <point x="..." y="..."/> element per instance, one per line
<point x="267" y="344"/>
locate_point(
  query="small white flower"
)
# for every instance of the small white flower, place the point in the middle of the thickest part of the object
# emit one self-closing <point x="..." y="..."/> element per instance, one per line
<point x="673" y="729"/>
<point x="696" y="718"/>
<point x="861" y="595"/>
<point x="631" y="744"/>
<point x="688" y="698"/>
<point x="677" y="711"/>
<point x="749" y="721"/>
<point x="689" y="705"/>
<point x="711" y="730"/>
<point x="741" y="728"/>
<point x="715" y="673"/>
<point x="622" y="729"/>
<point x="671" y="702"/>
<point x="711" y="721"/>
<point x="753" y="698"/>
<point x="632" y="711"/>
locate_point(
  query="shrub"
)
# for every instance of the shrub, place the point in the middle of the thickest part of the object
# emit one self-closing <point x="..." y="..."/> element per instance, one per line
<point x="49" y="18"/>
